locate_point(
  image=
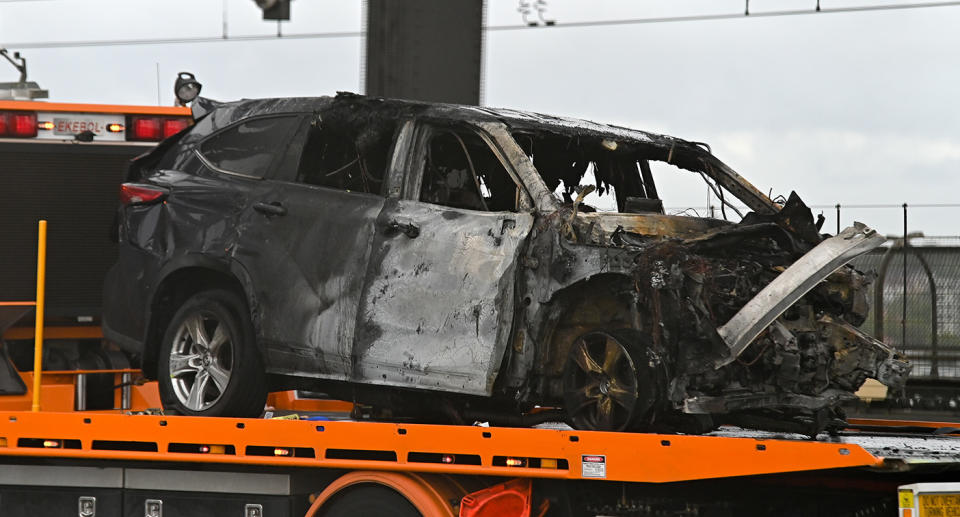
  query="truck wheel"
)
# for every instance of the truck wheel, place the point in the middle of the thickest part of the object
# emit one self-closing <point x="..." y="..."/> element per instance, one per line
<point x="370" y="501"/>
<point x="209" y="364"/>
<point x="612" y="381"/>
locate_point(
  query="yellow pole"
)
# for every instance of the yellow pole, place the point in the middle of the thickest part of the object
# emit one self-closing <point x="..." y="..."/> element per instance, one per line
<point x="38" y="339"/>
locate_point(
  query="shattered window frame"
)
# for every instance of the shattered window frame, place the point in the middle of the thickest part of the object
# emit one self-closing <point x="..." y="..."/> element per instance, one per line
<point x="643" y="194"/>
<point x="426" y="129"/>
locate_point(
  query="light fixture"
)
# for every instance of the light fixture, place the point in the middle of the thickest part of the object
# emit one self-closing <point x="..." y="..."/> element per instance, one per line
<point x="187" y="88"/>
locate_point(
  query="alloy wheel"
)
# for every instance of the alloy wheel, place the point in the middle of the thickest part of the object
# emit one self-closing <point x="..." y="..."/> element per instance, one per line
<point x="600" y="383"/>
<point x="201" y="360"/>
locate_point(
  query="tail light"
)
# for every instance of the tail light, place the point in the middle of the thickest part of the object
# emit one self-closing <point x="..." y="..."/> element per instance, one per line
<point x="145" y="128"/>
<point x="140" y="194"/>
<point x="18" y="124"/>
<point x="172" y="126"/>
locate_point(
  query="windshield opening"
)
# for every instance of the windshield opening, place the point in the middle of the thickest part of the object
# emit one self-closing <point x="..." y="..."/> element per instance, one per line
<point x="623" y="177"/>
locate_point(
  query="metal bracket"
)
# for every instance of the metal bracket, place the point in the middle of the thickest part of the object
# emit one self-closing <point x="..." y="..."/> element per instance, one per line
<point x="153" y="508"/>
<point x="87" y="506"/>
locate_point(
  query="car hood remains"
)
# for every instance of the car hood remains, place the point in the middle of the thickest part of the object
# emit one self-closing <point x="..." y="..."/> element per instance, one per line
<point x="760" y="315"/>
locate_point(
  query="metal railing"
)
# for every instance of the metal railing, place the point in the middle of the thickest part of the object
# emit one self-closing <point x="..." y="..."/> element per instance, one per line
<point x="15" y="310"/>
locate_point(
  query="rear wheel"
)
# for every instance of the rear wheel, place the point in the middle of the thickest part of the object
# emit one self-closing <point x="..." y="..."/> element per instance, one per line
<point x="612" y="381"/>
<point x="208" y="362"/>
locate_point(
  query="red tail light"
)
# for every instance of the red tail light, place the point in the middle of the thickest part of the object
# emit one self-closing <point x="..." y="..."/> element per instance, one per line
<point x="140" y="194"/>
<point x="18" y="124"/>
<point x="172" y="126"/>
<point x="144" y="129"/>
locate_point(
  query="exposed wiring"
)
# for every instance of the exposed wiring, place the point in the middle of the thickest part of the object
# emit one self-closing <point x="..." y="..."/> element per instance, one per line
<point x="718" y="191"/>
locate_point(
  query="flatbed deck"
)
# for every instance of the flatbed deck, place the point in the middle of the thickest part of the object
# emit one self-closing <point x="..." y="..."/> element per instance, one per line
<point x="472" y="450"/>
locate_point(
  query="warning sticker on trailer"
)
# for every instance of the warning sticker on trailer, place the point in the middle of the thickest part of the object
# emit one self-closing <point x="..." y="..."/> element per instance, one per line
<point x="939" y="505"/>
<point x="593" y="466"/>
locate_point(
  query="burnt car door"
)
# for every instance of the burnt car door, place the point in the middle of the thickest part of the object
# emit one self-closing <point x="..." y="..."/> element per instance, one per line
<point x="437" y="307"/>
<point x="321" y="214"/>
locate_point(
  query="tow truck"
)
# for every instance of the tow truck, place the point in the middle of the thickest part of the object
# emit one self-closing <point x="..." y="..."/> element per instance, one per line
<point x="315" y="457"/>
<point x="64" y="162"/>
<point x="80" y="433"/>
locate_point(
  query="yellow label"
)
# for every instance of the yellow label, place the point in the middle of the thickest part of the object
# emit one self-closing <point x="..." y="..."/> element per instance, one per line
<point x="939" y="505"/>
<point x="906" y="499"/>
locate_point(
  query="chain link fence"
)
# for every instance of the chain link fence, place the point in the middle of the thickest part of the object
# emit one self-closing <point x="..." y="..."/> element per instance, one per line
<point x="919" y="310"/>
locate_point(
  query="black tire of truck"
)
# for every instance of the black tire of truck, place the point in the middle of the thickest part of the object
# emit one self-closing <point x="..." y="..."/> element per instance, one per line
<point x="209" y="364"/>
<point x="369" y="501"/>
<point x="613" y="380"/>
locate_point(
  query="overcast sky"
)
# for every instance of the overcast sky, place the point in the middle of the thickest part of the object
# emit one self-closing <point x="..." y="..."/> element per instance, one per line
<point x="855" y="108"/>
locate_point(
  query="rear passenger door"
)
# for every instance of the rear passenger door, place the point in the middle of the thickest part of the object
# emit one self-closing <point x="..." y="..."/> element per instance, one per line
<point x="319" y="220"/>
<point x="240" y="160"/>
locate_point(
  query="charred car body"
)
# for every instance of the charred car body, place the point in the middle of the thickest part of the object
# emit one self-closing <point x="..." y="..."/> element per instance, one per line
<point x="449" y="260"/>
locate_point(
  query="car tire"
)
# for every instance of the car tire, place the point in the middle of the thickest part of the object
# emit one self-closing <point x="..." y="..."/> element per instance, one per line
<point x="209" y="364"/>
<point x="613" y="380"/>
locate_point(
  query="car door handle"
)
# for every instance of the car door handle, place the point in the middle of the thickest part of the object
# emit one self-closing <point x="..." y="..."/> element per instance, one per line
<point x="409" y="229"/>
<point x="274" y="208"/>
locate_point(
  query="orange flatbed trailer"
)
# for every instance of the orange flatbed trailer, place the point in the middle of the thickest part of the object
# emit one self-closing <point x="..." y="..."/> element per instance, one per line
<point x="130" y="463"/>
<point x="133" y="462"/>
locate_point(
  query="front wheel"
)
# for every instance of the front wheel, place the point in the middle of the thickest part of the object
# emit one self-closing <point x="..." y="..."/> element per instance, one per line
<point x="612" y="381"/>
<point x="209" y="364"/>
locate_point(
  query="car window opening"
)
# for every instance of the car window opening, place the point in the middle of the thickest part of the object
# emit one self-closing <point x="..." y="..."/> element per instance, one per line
<point x="622" y="179"/>
<point x="461" y="171"/>
<point x="332" y="159"/>
<point x="695" y="193"/>
<point x="250" y="147"/>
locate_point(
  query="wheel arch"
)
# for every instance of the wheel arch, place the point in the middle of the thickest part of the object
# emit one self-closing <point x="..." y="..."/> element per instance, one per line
<point x="602" y="300"/>
<point x="180" y="280"/>
<point x="430" y="494"/>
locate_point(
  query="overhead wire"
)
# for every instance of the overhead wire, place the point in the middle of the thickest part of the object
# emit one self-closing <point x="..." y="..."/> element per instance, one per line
<point x="728" y="16"/>
<point x="488" y="28"/>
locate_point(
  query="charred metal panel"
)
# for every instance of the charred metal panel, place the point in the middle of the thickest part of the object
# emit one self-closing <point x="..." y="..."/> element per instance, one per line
<point x="438" y="306"/>
<point x="651" y="225"/>
<point x="398" y="292"/>
<point x="802" y="276"/>
<point x="309" y="267"/>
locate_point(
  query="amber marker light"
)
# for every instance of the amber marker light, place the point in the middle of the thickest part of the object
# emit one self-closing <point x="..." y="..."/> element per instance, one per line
<point x="46" y="125"/>
<point x="115" y="128"/>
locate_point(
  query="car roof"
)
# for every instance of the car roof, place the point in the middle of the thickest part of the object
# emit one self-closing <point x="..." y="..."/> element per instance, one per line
<point x="375" y="107"/>
<point x="385" y="113"/>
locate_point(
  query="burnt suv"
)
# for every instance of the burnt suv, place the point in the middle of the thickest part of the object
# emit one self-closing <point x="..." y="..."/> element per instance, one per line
<point x="466" y="263"/>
